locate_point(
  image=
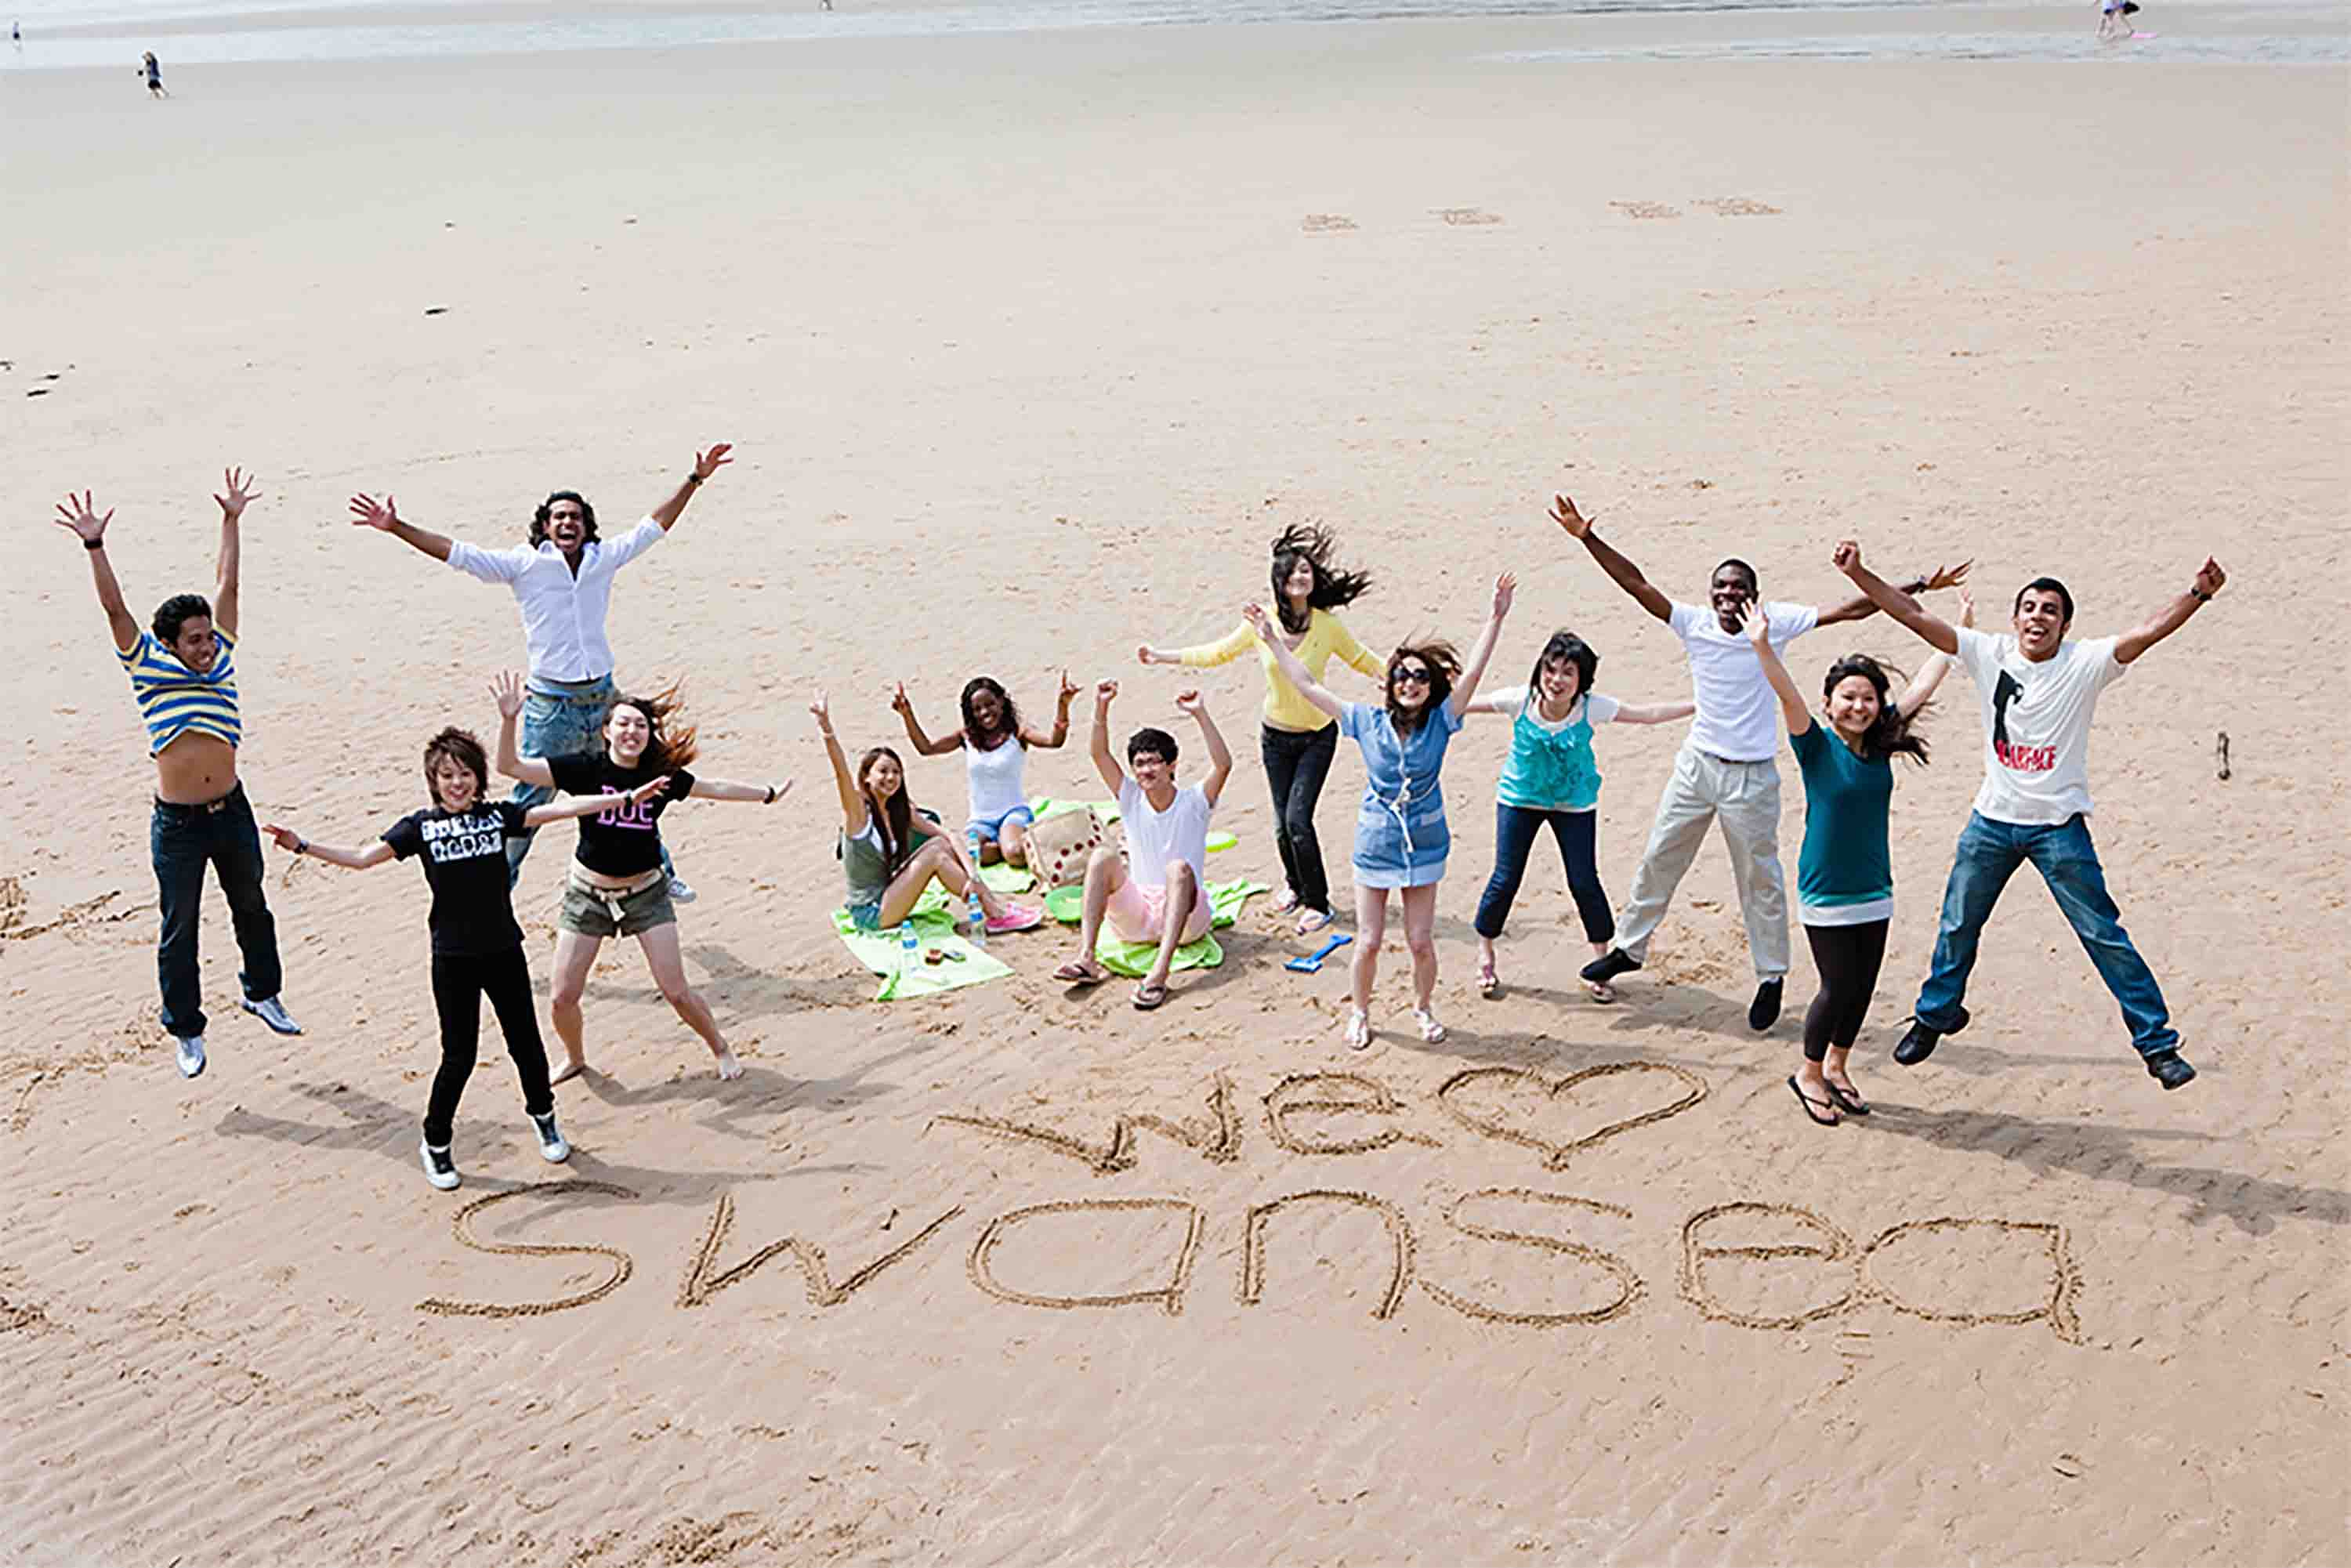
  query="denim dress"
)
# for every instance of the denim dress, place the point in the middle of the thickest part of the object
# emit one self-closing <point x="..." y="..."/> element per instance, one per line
<point x="1401" y="839"/>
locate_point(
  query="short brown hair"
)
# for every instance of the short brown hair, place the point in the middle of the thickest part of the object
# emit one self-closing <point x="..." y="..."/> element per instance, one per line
<point x="463" y="747"/>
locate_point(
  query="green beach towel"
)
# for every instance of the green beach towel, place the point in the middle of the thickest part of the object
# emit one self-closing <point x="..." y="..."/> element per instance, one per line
<point x="1132" y="959"/>
<point x="934" y="928"/>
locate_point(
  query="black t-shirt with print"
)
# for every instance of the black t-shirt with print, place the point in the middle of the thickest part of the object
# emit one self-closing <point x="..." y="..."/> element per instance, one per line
<point x="464" y="858"/>
<point x="624" y="841"/>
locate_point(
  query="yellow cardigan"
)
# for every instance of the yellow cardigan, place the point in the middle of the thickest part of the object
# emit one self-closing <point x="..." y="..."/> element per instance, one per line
<point x="1286" y="707"/>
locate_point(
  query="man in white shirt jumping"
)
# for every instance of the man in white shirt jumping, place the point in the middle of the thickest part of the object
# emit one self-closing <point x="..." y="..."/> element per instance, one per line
<point x="562" y="582"/>
<point x="2038" y="694"/>
<point x="1728" y="769"/>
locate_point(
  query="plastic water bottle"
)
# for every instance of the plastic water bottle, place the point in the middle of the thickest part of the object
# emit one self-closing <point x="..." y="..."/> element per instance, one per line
<point x="977" y="937"/>
<point x="910" y="952"/>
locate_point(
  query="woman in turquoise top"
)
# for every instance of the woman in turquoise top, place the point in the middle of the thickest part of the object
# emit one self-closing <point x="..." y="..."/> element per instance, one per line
<point x="1401" y="838"/>
<point x="1844" y="876"/>
<point x="1551" y="780"/>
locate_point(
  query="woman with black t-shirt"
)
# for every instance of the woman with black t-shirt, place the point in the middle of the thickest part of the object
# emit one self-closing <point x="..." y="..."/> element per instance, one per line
<point x="618" y="887"/>
<point x="476" y="944"/>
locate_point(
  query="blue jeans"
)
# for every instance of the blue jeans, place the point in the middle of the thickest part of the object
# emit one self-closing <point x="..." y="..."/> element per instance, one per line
<point x="182" y="841"/>
<point x="559" y="718"/>
<point x="1515" y="828"/>
<point x="1989" y="854"/>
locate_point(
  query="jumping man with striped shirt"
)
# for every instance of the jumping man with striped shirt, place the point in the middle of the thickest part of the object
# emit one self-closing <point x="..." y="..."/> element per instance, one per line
<point x="184" y="674"/>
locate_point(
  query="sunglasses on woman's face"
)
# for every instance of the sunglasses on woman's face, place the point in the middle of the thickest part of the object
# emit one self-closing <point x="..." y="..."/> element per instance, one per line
<point x="1413" y="672"/>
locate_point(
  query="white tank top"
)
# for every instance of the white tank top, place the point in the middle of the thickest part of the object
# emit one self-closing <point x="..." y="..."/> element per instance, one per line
<point x="995" y="776"/>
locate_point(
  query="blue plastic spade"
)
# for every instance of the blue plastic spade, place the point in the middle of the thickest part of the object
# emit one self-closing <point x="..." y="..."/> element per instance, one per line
<point x="1313" y="961"/>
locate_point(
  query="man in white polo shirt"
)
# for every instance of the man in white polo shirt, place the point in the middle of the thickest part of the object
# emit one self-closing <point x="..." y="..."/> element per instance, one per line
<point x="562" y="582"/>
<point x="2039" y="694"/>
<point x="1728" y="767"/>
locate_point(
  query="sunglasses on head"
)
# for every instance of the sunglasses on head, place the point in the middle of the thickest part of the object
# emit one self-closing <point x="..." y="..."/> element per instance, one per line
<point x="1417" y="673"/>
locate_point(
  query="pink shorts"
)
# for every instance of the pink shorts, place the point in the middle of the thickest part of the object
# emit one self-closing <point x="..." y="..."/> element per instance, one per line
<point x="1139" y="914"/>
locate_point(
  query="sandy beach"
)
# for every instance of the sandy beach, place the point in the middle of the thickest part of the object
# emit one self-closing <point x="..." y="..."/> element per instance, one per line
<point x="1029" y="344"/>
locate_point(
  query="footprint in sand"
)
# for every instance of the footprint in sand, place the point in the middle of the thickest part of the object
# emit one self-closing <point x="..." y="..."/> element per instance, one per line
<point x="1326" y="223"/>
<point x="1468" y="217"/>
<point x="1646" y="209"/>
<point x="1736" y="208"/>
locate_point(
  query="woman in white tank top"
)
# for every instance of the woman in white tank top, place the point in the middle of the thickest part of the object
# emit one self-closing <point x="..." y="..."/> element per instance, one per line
<point x="996" y="747"/>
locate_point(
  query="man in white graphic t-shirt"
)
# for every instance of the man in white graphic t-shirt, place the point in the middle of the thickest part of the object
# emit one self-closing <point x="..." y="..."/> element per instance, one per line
<point x="2038" y="693"/>
<point x="1728" y="769"/>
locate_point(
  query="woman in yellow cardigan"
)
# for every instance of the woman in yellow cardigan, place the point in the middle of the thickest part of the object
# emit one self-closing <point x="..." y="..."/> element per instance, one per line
<point x="1299" y="739"/>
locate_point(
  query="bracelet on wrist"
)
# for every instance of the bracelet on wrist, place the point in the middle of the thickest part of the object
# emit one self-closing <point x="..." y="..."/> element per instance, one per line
<point x="2198" y="595"/>
<point x="694" y="478"/>
<point x="93" y="544"/>
<point x="771" y="796"/>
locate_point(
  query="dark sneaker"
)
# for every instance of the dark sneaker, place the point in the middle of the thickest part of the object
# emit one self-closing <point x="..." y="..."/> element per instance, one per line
<point x="439" y="1168"/>
<point x="2170" y="1069"/>
<point x="551" y="1146"/>
<point x="1764" y="1010"/>
<point x="1917" y="1044"/>
<point x="1608" y="966"/>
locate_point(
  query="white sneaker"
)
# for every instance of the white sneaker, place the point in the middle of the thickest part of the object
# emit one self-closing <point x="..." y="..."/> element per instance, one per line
<point x="679" y="893"/>
<point x="551" y="1146"/>
<point x="439" y="1168"/>
<point x="1359" y="1030"/>
<point x="1430" y="1030"/>
<point x="272" y="1013"/>
<point x="192" y="1056"/>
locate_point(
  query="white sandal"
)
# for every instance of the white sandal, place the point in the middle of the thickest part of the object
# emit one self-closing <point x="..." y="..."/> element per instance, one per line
<point x="1430" y="1030"/>
<point x="1359" y="1030"/>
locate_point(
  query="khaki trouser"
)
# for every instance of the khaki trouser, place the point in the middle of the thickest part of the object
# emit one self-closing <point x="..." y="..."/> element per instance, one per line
<point x="1746" y="797"/>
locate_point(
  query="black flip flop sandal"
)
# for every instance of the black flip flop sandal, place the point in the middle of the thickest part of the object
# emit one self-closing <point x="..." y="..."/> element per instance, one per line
<point x="1852" y="1105"/>
<point x="1808" y="1103"/>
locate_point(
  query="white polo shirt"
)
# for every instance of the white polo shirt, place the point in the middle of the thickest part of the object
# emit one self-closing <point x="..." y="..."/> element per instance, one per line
<point x="562" y="614"/>
<point x="1738" y="712"/>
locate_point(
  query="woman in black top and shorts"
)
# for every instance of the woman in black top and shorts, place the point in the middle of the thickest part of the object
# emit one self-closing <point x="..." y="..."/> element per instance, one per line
<point x="476" y="945"/>
<point x="618" y="887"/>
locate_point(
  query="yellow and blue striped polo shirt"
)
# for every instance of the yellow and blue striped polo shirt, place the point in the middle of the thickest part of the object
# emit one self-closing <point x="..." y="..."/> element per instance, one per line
<point x="173" y="699"/>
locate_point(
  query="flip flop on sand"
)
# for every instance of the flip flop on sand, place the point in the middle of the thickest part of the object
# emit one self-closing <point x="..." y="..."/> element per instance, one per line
<point x="1490" y="983"/>
<point x="1315" y="920"/>
<point x="1149" y="995"/>
<point x="1850" y="1103"/>
<point x="1828" y="1121"/>
<point x="1076" y="974"/>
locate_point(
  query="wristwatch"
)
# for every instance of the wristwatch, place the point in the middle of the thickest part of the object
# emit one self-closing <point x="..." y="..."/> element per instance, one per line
<point x="99" y="543"/>
<point x="2199" y="594"/>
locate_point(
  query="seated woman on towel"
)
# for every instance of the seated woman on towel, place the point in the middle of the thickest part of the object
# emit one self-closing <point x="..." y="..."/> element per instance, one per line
<point x="879" y="827"/>
<point x="996" y="747"/>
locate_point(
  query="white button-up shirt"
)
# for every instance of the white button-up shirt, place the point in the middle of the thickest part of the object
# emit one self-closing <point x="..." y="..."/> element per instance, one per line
<point x="562" y="614"/>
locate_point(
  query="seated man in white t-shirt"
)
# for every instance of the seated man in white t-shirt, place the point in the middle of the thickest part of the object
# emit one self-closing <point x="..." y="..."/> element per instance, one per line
<point x="1728" y="767"/>
<point x="1157" y="891"/>
<point x="2039" y="694"/>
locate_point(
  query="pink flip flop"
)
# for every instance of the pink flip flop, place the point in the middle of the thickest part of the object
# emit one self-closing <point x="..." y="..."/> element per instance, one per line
<point x="1016" y="917"/>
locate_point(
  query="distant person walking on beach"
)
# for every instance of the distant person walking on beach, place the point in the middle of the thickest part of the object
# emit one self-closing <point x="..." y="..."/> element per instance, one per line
<point x="562" y="582"/>
<point x="1727" y="767"/>
<point x="1298" y="741"/>
<point x="460" y="841"/>
<point x="2115" y="20"/>
<point x="2038" y="694"/>
<point x="154" y="75"/>
<point x="1402" y="840"/>
<point x="1845" y="874"/>
<point x="183" y="673"/>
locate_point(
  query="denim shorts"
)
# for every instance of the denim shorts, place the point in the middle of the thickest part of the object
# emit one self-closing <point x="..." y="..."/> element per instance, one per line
<point x="992" y="828"/>
<point x="608" y="912"/>
<point x="866" y="916"/>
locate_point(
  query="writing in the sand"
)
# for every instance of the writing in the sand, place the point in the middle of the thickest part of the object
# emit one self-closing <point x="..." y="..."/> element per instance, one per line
<point x="1750" y="1263"/>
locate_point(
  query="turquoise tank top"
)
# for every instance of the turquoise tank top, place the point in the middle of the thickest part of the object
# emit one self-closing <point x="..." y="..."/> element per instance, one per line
<point x="1550" y="770"/>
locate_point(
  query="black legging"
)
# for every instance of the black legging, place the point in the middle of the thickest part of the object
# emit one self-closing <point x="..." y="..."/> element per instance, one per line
<point x="1847" y="957"/>
<point x="459" y="983"/>
<point x="1296" y="765"/>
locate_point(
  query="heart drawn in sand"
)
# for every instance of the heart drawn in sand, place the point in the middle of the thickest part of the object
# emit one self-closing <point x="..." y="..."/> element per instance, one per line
<point x="1523" y="1127"/>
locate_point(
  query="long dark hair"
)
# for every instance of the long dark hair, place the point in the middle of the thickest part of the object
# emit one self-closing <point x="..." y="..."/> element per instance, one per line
<point x="1891" y="736"/>
<point x="972" y="688"/>
<point x="672" y="745"/>
<point x="895" y="817"/>
<point x="1565" y="648"/>
<point x="587" y="517"/>
<point x="1443" y="669"/>
<point x="463" y="747"/>
<point x="1332" y="587"/>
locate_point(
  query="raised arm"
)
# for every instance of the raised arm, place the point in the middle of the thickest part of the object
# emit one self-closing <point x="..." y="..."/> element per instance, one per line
<point x="367" y="512"/>
<point x="287" y="839"/>
<point x="705" y="463"/>
<point x="1757" y="627"/>
<point x="1506" y="587"/>
<point x="1220" y="756"/>
<point x="1052" y="739"/>
<point x="1930" y="674"/>
<point x="505" y="689"/>
<point x="853" y="800"/>
<point x="904" y="705"/>
<point x="1353" y="654"/>
<point x="1202" y="656"/>
<point x="1894" y="600"/>
<point x="746" y="794"/>
<point x="1654" y="713"/>
<point x="1622" y="572"/>
<point x="563" y="808"/>
<point x="1253" y="618"/>
<point x="1098" y="742"/>
<point x="226" y="579"/>
<point x="2172" y="616"/>
<point x="1862" y="607"/>
<point x="86" y="526"/>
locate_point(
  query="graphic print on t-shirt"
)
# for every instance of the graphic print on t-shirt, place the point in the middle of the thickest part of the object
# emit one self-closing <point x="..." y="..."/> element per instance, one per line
<point x="463" y="837"/>
<point x="2024" y="758"/>
<point x="464" y="858"/>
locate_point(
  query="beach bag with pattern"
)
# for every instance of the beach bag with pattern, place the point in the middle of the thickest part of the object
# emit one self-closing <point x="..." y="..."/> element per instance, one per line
<point x="1061" y="845"/>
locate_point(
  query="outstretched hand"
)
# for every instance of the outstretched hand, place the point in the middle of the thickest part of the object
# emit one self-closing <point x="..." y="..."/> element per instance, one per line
<point x="286" y="839"/>
<point x="1143" y="654"/>
<point x="1069" y="690"/>
<point x="1189" y="702"/>
<point x="367" y="512"/>
<point x="1755" y="623"/>
<point x="240" y="494"/>
<point x="1103" y="692"/>
<point x="2210" y="578"/>
<point x="1948" y="576"/>
<point x="1564" y="513"/>
<point x="647" y="791"/>
<point x="1506" y="588"/>
<point x="900" y="703"/>
<point x="1846" y="557"/>
<point x="1967" y="608"/>
<point x="86" y="526"/>
<point x="819" y="706"/>
<point x="506" y="690"/>
<point x="1254" y="613"/>
<point x="705" y="463"/>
